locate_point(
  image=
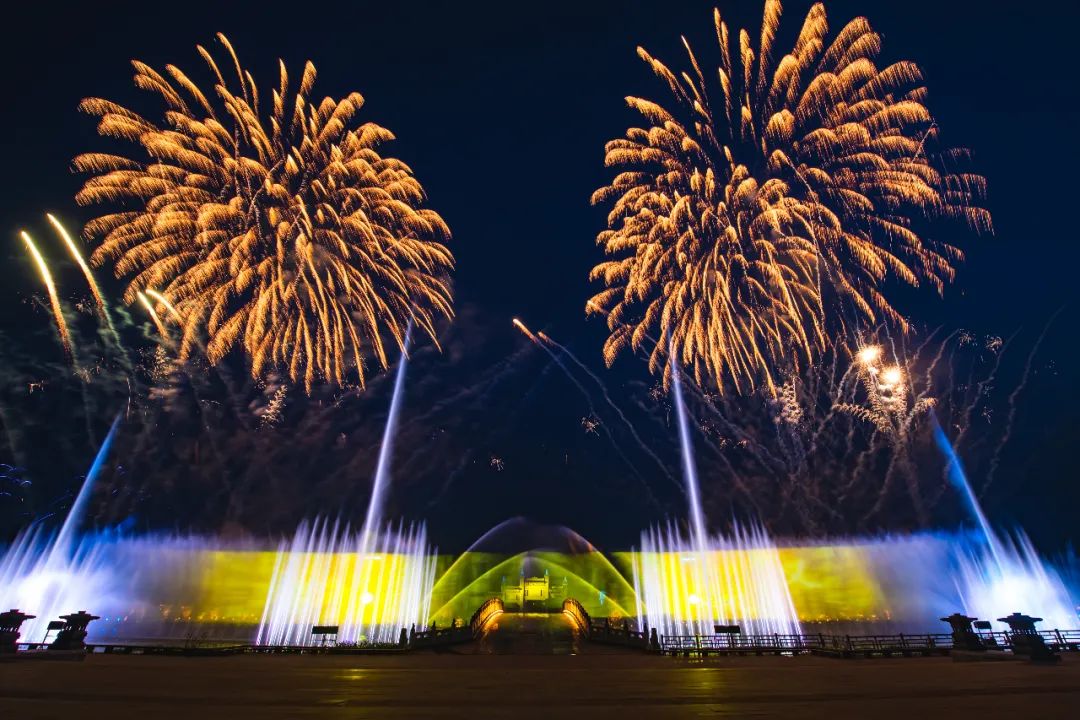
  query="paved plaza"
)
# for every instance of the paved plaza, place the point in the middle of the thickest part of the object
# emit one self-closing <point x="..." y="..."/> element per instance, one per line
<point x="594" y="684"/>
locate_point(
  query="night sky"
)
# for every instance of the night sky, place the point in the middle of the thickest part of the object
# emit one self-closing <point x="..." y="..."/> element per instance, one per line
<point x="502" y="111"/>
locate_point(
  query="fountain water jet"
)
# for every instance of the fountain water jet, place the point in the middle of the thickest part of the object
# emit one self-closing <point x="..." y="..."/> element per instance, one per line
<point x="738" y="579"/>
<point x="62" y="547"/>
<point x="1002" y="574"/>
<point x="690" y="585"/>
<point x="53" y="573"/>
<point x="386" y="449"/>
<point x="370" y="584"/>
<point x="693" y="494"/>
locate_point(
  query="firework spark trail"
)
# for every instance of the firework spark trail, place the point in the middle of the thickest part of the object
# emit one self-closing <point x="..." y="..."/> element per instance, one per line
<point x="891" y="406"/>
<point x="928" y="376"/>
<point x="755" y="449"/>
<point x="168" y="306"/>
<point x="588" y="399"/>
<point x="283" y="234"/>
<point x="738" y="432"/>
<point x="521" y="326"/>
<point x="761" y="453"/>
<point x="482" y="391"/>
<point x="680" y="381"/>
<point x="996" y="459"/>
<point x="477" y="394"/>
<point x="61" y="323"/>
<point x="154" y="316"/>
<point x="834" y="396"/>
<point x="980" y="389"/>
<point x="900" y="460"/>
<point x="54" y="299"/>
<point x="765" y="457"/>
<point x="794" y="186"/>
<point x="468" y="456"/>
<point x="73" y="249"/>
<point x="804" y="450"/>
<point x="607" y="398"/>
<point x="551" y="353"/>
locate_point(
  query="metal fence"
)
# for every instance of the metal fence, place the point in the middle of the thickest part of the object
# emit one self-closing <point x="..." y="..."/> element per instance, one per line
<point x="849" y="645"/>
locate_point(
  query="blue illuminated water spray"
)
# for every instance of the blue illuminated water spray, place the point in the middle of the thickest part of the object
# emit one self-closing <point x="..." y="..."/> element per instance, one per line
<point x="64" y="546"/>
<point x="959" y="480"/>
<point x="386" y="450"/>
<point x="697" y="518"/>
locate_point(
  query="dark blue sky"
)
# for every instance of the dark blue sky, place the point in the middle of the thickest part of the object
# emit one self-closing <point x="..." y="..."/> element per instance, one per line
<point x="502" y="110"/>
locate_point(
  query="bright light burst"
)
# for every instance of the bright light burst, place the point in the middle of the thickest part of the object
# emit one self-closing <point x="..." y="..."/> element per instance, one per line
<point x="892" y="377"/>
<point x="754" y="220"/>
<point x="286" y="233"/>
<point x="869" y="355"/>
<point x="886" y="404"/>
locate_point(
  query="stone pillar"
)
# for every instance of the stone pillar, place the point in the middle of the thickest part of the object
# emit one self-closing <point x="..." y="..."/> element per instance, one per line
<point x="963" y="636"/>
<point x="1026" y="640"/>
<point x="73" y="635"/>
<point x="10" y="622"/>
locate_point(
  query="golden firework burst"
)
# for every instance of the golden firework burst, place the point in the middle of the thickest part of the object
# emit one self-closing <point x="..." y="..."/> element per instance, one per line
<point x="760" y="215"/>
<point x="286" y="233"/>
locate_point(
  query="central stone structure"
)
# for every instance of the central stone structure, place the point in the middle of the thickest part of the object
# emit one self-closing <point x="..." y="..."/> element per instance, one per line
<point x="534" y="593"/>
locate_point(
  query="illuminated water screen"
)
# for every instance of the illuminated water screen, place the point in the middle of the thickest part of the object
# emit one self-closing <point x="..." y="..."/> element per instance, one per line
<point x="683" y="590"/>
<point x="376" y="581"/>
<point x="370" y="587"/>
<point x="183" y="588"/>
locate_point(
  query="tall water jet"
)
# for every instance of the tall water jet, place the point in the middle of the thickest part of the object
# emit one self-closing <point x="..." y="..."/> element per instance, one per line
<point x="62" y="547"/>
<point x="958" y="478"/>
<point x="690" y="586"/>
<point x="693" y="493"/>
<point x="737" y="579"/>
<point x="55" y="573"/>
<point x="370" y="584"/>
<point x="1002" y="574"/>
<point x="386" y="449"/>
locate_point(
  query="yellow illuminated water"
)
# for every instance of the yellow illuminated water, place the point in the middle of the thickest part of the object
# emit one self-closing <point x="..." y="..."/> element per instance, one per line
<point x="834" y="582"/>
